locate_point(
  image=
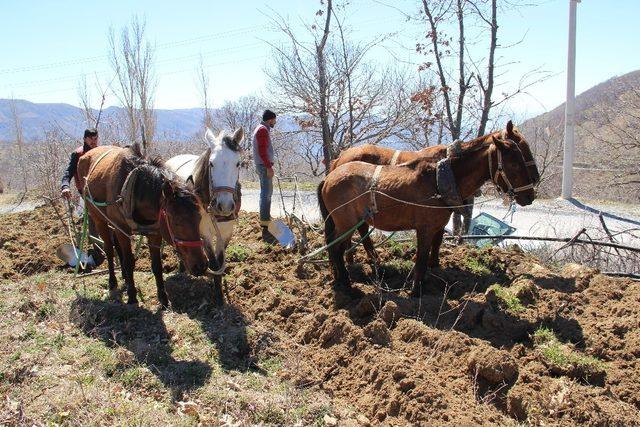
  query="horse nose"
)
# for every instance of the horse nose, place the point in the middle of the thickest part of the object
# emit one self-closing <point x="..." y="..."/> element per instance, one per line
<point x="199" y="269"/>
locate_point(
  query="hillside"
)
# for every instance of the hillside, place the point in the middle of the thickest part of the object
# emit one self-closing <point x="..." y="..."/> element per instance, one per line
<point x="36" y="118"/>
<point x="607" y="141"/>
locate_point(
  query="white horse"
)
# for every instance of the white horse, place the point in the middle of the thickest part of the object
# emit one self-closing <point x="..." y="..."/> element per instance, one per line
<point x="215" y="177"/>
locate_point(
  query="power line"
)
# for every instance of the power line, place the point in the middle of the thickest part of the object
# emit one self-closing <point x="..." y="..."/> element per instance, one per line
<point x="162" y="61"/>
<point x="85" y="60"/>
<point x="217" y="64"/>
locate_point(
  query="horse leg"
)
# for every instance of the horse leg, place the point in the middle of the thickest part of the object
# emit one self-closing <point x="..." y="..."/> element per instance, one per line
<point x="336" y="256"/>
<point x="105" y="234"/>
<point x="156" y="266"/>
<point x="466" y="216"/>
<point x="127" y="263"/>
<point x="424" y="244"/>
<point x="367" y="243"/>
<point x="350" y="255"/>
<point x="434" y="255"/>
<point x="218" y="259"/>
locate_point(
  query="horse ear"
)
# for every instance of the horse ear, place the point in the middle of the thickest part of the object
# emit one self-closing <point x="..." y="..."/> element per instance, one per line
<point x="510" y="129"/>
<point x="167" y="189"/>
<point x="500" y="143"/>
<point x="210" y="137"/>
<point x="238" y="135"/>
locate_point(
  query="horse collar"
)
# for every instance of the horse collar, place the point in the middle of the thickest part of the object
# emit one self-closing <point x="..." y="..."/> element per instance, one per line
<point x="394" y="159"/>
<point x="372" y="188"/>
<point x="446" y="183"/>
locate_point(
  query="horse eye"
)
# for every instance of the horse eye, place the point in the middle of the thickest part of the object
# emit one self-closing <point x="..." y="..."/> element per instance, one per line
<point x="238" y="164"/>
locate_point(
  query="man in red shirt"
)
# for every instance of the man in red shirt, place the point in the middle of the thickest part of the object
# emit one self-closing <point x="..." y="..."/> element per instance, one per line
<point x="263" y="158"/>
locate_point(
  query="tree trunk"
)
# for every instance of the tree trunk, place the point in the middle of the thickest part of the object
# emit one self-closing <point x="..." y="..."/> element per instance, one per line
<point x="488" y="91"/>
<point x="322" y="84"/>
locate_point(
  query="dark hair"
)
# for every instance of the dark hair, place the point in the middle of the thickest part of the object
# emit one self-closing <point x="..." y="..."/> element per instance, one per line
<point x="268" y="115"/>
<point x="90" y="132"/>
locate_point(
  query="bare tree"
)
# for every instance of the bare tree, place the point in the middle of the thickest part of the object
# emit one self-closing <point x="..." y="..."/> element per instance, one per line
<point x="547" y="149"/>
<point x="17" y="127"/>
<point x="47" y="162"/>
<point x="465" y="63"/>
<point x="614" y="123"/>
<point x="203" y="87"/>
<point x="332" y="91"/>
<point x="132" y="59"/>
<point x="91" y="119"/>
<point x="245" y="112"/>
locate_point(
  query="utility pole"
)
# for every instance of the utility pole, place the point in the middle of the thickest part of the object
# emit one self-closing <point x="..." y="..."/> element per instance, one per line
<point x="569" y="114"/>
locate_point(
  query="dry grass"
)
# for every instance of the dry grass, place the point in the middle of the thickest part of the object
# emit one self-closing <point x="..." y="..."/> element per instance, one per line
<point x="68" y="356"/>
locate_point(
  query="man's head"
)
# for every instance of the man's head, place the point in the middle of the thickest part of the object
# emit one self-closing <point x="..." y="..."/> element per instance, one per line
<point x="269" y="117"/>
<point x="91" y="137"/>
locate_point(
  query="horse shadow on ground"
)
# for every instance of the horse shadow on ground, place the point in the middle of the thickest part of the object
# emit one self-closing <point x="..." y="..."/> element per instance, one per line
<point x="144" y="334"/>
<point x="225" y="326"/>
<point x="456" y="299"/>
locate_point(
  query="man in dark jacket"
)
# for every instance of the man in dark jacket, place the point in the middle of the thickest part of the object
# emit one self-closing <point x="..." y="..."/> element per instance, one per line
<point x="90" y="141"/>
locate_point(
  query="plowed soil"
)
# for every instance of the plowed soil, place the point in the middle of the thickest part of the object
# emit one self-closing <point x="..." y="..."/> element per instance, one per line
<point x="458" y="355"/>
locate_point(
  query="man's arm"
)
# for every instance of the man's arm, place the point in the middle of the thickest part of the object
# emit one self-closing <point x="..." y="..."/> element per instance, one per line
<point x="70" y="172"/>
<point x="262" y="137"/>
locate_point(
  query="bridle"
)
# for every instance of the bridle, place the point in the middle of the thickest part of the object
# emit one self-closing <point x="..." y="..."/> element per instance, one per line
<point x="213" y="190"/>
<point x="511" y="191"/>
<point x="175" y="241"/>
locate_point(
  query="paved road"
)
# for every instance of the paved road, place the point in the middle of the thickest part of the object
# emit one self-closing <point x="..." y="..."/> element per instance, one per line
<point x="547" y="218"/>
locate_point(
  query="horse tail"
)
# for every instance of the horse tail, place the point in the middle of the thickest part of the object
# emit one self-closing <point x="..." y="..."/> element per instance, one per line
<point x="329" y="226"/>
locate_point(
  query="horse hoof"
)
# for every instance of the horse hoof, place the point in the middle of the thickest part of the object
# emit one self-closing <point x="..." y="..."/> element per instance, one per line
<point x="115" y="295"/>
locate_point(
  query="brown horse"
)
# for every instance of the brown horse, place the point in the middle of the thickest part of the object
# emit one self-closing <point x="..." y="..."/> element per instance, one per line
<point x="393" y="198"/>
<point x="378" y="155"/>
<point x="133" y="194"/>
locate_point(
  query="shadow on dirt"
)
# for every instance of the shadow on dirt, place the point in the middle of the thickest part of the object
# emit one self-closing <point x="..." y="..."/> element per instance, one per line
<point x="226" y="327"/>
<point x="144" y="334"/>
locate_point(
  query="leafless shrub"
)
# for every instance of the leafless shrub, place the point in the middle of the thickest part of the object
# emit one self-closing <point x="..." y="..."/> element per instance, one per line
<point x="132" y="57"/>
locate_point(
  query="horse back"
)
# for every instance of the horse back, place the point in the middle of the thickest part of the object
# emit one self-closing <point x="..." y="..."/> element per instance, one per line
<point x="378" y="155"/>
<point x="182" y="165"/>
<point x="102" y="168"/>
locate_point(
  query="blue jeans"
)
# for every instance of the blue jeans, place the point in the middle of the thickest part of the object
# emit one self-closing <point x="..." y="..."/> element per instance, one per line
<point x="266" y="190"/>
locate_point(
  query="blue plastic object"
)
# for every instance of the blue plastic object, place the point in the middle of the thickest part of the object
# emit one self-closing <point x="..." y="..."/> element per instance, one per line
<point x="485" y="224"/>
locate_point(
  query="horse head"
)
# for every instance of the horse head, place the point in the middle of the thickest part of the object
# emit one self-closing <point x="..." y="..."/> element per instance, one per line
<point x="224" y="170"/>
<point x="511" y="132"/>
<point x="508" y="170"/>
<point x="180" y="215"/>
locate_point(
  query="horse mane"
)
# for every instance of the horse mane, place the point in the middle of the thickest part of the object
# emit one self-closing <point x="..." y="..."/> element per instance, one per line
<point x="151" y="174"/>
<point x="230" y="143"/>
<point x="201" y="177"/>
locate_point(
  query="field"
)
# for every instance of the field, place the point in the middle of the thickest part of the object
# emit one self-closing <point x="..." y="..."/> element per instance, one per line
<point x="499" y="339"/>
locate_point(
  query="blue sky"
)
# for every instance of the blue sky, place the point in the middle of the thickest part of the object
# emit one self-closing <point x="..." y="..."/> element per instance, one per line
<point x="49" y="45"/>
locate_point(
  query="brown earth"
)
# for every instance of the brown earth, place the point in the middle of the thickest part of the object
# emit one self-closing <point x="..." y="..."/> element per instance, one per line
<point x="457" y="355"/>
